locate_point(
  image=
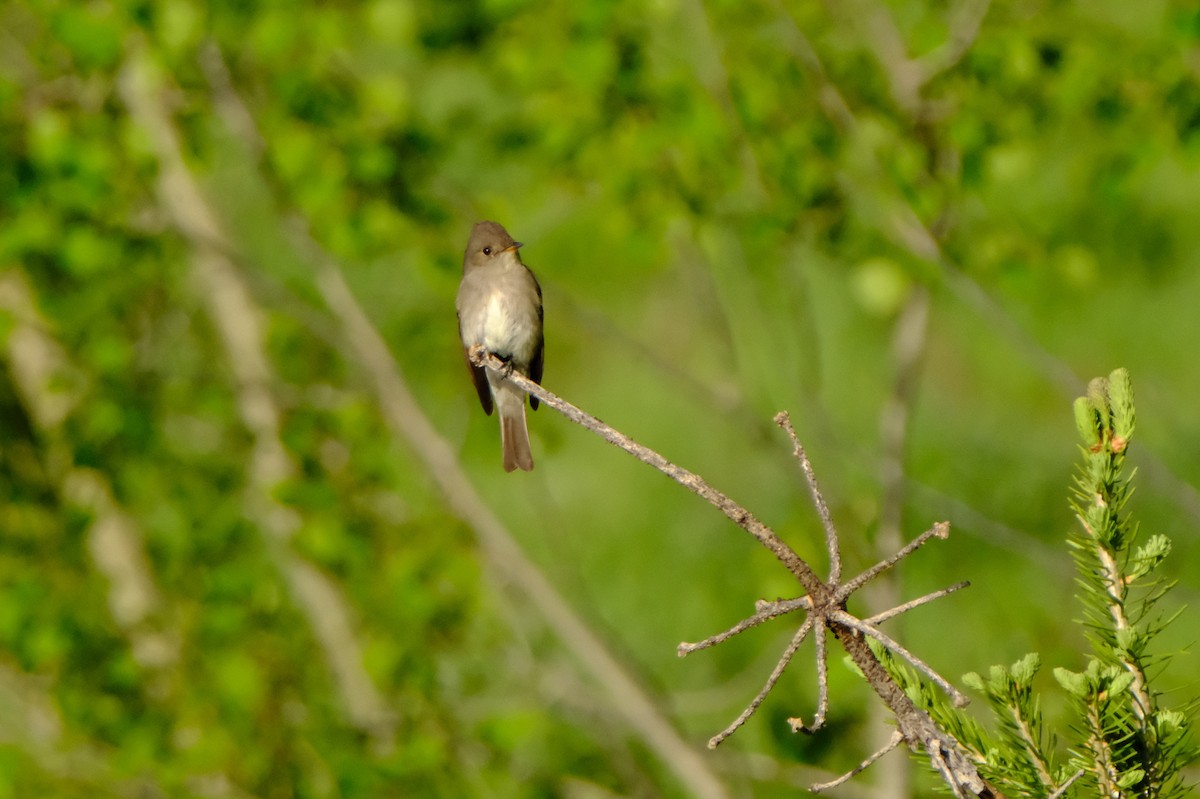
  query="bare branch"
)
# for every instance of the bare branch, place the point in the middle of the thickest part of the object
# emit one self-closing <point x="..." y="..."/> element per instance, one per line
<point x="909" y="334"/>
<point x="841" y="617"/>
<point x="908" y="344"/>
<point x="47" y="385"/>
<point x="825" y="610"/>
<point x="823" y="601"/>
<point x="784" y="420"/>
<point x="822" y="687"/>
<point x="941" y="766"/>
<point x="894" y="741"/>
<point x="689" y="480"/>
<point x="776" y="673"/>
<point x="240" y="326"/>
<point x="765" y="612"/>
<point x="965" y="22"/>
<point x="836" y="109"/>
<point x="408" y="422"/>
<point x="879" y="618"/>
<point x="939" y="530"/>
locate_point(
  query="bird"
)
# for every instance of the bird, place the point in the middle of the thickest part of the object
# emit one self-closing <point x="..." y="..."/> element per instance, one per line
<point x="499" y="307"/>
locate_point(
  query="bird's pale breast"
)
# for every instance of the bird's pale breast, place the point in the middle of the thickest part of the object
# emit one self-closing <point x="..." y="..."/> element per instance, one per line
<point x="506" y="322"/>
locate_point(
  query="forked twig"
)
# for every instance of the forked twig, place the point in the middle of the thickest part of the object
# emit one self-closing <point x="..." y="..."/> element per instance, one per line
<point x="825" y="603"/>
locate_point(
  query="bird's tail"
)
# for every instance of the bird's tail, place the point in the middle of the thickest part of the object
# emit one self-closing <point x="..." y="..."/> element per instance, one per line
<point x="514" y="438"/>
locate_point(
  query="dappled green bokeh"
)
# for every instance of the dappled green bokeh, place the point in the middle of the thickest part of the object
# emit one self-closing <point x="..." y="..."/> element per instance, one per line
<point x="720" y="232"/>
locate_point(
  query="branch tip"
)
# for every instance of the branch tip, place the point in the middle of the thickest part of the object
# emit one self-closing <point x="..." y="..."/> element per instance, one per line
<point x="891" y="744"/>
<point x="879" y="618"/>
<point x="776" y="673"/>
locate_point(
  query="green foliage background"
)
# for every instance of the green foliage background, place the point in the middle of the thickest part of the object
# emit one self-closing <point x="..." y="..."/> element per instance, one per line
<point x="730" y="206"/>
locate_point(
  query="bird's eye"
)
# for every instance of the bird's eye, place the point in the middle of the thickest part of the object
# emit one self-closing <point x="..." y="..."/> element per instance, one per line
<point x="487" y="250"/>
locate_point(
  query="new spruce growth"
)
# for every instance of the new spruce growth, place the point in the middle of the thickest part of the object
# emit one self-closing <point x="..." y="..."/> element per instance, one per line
<point x="1123" y="743"/>
<point x="1130" y="746"/>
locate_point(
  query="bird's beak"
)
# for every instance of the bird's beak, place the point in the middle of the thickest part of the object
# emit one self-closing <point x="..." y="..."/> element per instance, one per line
<point x="516" y="245"/>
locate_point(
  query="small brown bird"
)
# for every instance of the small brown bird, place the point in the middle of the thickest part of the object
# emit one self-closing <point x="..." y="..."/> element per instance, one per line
<point x="499" y="307"/>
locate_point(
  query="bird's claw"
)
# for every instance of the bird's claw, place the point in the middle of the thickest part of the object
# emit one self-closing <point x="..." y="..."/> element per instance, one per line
<point x="478" y="355"/>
